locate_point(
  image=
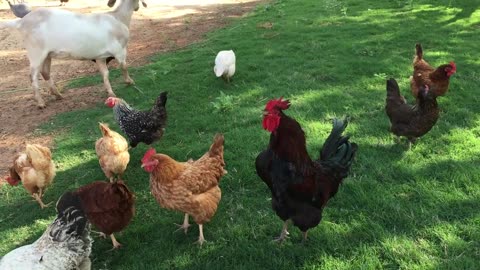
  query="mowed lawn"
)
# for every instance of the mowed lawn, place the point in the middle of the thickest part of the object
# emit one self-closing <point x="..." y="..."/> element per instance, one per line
<point x="399" y="209"/>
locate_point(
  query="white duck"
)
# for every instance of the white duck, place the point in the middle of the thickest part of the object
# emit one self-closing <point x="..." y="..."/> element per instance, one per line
<point x="225" y="65"/>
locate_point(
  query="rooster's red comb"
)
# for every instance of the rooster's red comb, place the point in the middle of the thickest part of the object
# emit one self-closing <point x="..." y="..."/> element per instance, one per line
<point x="278" y="104"/>
<point x="150" y="152"/>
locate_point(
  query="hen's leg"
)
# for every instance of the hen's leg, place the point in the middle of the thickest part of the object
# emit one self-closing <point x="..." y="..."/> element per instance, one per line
<point x="100" y="234"/>
<point x="305" y="235"/>
<point x="37" y="198"/>
<point x="184" y="226"/>
<point x="410" y="142"/>
<point x="115" y="243"/>
<point x="284" y="234"/>
<point x="201" y="239"/>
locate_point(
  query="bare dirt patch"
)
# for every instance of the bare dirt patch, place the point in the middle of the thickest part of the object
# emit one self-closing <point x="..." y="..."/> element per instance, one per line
<point x="161" y="27"/>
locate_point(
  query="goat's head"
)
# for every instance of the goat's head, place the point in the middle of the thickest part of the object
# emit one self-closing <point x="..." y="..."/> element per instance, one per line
<point x="136" y="6"/>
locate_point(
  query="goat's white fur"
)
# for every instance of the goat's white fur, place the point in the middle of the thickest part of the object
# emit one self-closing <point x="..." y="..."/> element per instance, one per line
<point x="56" y="33"/>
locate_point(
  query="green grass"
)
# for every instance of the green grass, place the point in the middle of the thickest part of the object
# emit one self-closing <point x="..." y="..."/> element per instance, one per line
<point x="400" y="209"/>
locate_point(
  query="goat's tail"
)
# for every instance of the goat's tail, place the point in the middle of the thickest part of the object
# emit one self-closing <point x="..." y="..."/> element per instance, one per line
<point x="10" y="24"/>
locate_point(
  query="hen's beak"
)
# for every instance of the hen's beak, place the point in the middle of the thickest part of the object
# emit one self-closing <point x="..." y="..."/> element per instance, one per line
<point x="143" y="165"/>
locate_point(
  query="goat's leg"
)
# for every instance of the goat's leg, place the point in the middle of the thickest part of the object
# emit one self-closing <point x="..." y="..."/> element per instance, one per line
<point x="36" y="90"/>
<point x="122" y="59"/>
<point x="102" y="67"/>
<point x="126" y="76"/>
<point x="46" y="76"/>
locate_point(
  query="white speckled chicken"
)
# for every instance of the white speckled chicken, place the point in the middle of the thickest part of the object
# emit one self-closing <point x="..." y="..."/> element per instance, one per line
<point x="66" y="244"/>
<point x="225" y="65"/>
<point x="140" y="126"/>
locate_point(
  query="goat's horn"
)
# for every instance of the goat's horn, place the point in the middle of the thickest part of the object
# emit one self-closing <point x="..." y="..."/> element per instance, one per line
<point x="144" y="4"/>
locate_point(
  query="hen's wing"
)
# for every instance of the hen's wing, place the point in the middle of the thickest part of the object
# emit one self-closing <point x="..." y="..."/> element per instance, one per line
<point x="39" y="156"/>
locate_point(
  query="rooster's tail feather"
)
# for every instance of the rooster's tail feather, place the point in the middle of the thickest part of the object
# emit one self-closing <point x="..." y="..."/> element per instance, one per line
<point x="338" y="152"/>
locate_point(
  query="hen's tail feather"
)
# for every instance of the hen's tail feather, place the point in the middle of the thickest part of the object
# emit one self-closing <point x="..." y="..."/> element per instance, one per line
<point x="217" y="146"/>
<point x="418" y="51"/>
<point x="392" y="88"/>
<point x="40" y="156"/>
<point x="162" y="99"/>
<point x="71" y="219"/>
<point x="338" y="152"/>
<point x="104" y="129"/>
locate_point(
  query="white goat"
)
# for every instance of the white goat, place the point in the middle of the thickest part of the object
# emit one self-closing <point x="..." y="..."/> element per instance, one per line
<point x="57" y="33"/>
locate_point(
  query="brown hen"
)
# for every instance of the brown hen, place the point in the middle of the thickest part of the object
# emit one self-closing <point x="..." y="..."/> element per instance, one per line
<point x="190" y="187"/>
<point x="437" y="79"/>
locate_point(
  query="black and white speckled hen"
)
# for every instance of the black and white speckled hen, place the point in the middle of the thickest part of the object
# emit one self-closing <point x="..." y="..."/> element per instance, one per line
<point x="140" y="126"/>
<point x="66" y="244"/>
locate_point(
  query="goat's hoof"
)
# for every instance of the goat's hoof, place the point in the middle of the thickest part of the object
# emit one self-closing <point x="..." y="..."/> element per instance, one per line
<point x="112" y="94"/>
<point x="130" y="82"/>
<point x="41" y="105"/>
<point x="59" y="97"/>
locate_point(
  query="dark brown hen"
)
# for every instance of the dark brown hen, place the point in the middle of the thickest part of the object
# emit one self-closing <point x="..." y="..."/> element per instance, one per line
<point x="108" y="206"/>
<point x="411" y="121"/>
<point x="300" y="186"/>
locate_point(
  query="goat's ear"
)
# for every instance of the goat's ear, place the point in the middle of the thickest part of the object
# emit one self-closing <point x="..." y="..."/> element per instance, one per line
<point x="144" y="4"/>
<point x="111" y="3"/>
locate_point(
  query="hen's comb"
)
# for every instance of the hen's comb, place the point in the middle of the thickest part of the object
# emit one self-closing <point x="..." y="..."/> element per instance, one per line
<point x="150" y="152"/>
<point x="277" y="103"/>
<point x="11" y="181"/>
<point x="454" y="67"/>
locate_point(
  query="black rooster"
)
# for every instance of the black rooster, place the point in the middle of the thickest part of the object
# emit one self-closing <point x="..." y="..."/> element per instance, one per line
<point x="140" y="126"/>
<point x="300" y="186"/>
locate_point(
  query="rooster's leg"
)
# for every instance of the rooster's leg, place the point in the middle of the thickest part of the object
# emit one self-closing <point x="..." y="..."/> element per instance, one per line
<point x="284" y="234"/>
<point x="184" y="226"/>
<point x="115" y="243"/>
<point x="201" y="239"/>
